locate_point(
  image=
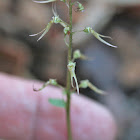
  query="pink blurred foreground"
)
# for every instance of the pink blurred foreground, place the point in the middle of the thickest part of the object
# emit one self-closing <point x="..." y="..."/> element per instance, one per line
<point x="26" y="115"/>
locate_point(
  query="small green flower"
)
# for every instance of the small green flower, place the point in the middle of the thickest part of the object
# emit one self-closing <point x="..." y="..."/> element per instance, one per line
<point x="45" y="30"/>
<point x="78" y="55"/>
<point x="88" y="30"/>
<point x="98" y="36"/>
<point x="71" y="68"/>
<point x="56" y="19"/>
<point x="53" y="82"/>
<point x="86" y="84"/>
<point x="80" y="7"/>
<point x="66" y="30"/>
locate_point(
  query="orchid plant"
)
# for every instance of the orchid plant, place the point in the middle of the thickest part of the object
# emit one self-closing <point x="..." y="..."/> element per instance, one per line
<point x="71" y="75"/>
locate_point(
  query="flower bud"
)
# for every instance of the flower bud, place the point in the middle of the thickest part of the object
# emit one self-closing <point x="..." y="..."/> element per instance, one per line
<point x="53" y="82"/>
<point x="88" y="30"/>
<point x="56" y="19"/>
<point x="87" y="84"/>
<point x="77" y="54"/>
<point x="66" y="30"/>
<point x="84" y="84"/>
<point x="80" y="7"/>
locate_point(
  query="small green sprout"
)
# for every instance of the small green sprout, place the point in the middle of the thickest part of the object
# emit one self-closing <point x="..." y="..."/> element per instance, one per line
<point x="98" y="36"/>
<point x="86" y="84"/>
<point x="71" y="68"/>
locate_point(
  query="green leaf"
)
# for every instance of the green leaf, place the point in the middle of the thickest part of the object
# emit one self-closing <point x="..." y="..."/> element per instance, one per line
<point x="57" y="102"/>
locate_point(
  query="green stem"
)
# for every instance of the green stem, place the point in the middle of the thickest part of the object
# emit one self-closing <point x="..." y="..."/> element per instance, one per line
<point x="68" y="88"/>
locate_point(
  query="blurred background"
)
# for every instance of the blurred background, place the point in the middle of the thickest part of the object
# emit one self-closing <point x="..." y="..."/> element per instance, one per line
<point x="116" y="71"/>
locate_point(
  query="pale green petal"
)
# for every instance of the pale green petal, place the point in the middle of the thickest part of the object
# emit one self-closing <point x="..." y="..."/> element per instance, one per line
<point x="42" y="35"/>
<point x="64" y="24"/>
<point x="104" y="36"/>
<point x="46" y="30"/>
<point x="92" y="87"/>
<point x="103" y="41"/>
<point x="77" y="87"/>
<point x="53" y="10"/>
<point x="86" y="83"/>
<point x="44" y="1"/>
<point x="72" y="82"/>
<point x="38" y="33"/>
<point x="100" y="39"/>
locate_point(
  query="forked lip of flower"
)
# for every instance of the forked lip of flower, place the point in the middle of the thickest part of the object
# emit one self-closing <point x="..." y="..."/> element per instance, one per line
<point x="55" y="19"/>
<point x="98" y="36"/>
<point x="45" y="30"/>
